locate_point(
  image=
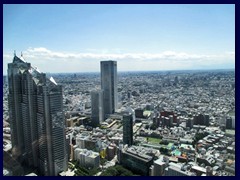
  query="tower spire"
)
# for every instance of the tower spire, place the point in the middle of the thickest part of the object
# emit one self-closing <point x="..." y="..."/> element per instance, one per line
<point x="14" y="52"/>
<point x="21" y="54"/>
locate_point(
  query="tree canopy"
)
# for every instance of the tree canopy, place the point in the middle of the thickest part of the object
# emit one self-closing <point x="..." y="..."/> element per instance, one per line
<point x="117" y="171"/>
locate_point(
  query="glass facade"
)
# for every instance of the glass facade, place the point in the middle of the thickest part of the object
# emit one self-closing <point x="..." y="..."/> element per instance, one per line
<point x="36" y="118"/>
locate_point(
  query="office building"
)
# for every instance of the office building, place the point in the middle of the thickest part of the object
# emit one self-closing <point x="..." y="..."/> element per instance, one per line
<point x="136" y="159"/>
<point x="206" y="120"/>
<point x="177" y="169"/>
<point x="22" y="111"/>
<point x="127" y="128"/>
<point x="189" y="123"/>
<point x="87" y="158"/>
<point x="86" y="142"/>
<point x="97" y="116"/>
<point x="109" y="86"/>
<point x="80" y="141"/>
<point x="36" y="118"/>
<point x="139" y="113"/>
<point x="11" y="166"/>
<point x="111" y="151"/>
<point x="198" y="170"/>
<point x="171" y="120"/>
<point x="209" y="171"/>
<point x="229" y="123"/>
<point x="201" y="119"/>
<point x="158" y="168"/>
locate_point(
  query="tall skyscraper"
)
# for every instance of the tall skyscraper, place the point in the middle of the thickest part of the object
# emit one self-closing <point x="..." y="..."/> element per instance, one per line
<point x="97" y="107"/>
<point x="36" y="118"/>
<point x="109" y="86"/>
<point x="127" y="128"/>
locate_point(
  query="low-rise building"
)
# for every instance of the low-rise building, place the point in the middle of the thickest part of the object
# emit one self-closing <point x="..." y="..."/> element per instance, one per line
<point x="137" y="159"/>
<point x="87" y="158"/>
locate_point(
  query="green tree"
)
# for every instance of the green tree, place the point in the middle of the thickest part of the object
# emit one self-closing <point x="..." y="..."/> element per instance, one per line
<point x="117" y="171"/>
<point x="111" y="171"/>
<point x="198" y="137"/>
<point x="81" y="171"/>
<point x="153" y="126"/>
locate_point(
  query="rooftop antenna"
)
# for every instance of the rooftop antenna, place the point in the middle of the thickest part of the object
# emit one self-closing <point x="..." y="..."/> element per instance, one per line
<point x="21" y="54"/>
<point x="14" y="52"/>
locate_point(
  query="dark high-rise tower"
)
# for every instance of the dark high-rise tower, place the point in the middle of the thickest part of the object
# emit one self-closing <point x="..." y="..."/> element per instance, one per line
<point x="36" y="118"/>
<point x="22" y="111"/>
<point x="127" y="128"/>
<point x="109" y="86"/>
<point x="97" y="107"/>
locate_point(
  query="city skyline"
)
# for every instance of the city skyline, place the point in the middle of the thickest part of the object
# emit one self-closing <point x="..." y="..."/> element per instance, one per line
<point x="139" y="37"/>
<point x="188" y="118"/>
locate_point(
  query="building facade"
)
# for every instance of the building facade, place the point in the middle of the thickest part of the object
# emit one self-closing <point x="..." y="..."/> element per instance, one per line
<point x="136" y="160"/>
<point x="127" y="128"/>
<point x="158" y="168"/>
<point x="109" y="86"/>
<point x="87" y="158"/>
<point x="36" y="118"/>
<point x="97" y="116"/>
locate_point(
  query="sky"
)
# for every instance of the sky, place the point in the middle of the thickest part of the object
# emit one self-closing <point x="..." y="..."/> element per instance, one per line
<point x="140" y="37"/>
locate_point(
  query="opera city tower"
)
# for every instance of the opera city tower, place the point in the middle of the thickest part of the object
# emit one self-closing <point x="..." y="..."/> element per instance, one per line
<point x="36" y="118"/>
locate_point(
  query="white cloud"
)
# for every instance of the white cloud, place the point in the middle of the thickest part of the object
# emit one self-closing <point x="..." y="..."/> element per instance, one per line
<point x="54" y="61"/>
<point x="230" y="53"/>
<point x="40" y="49"/>
<point x="171" y="55"/>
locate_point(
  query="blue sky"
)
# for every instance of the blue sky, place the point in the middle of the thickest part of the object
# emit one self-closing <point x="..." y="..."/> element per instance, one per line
<point x="75" y="38"/>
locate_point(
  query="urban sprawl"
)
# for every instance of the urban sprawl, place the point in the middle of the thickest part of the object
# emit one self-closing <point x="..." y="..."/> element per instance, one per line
<point x="159" y="123"/>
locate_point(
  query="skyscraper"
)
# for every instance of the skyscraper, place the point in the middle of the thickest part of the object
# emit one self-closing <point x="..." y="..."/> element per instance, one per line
<point x="127" y="128"/>
<point x="97" y="107"/>
<point x="109" y="86"/>
<point x="36" y="118"/>
<point x="22" y="111"/>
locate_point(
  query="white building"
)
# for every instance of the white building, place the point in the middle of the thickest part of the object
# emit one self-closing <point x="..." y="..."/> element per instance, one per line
<point x="87" y="158"/>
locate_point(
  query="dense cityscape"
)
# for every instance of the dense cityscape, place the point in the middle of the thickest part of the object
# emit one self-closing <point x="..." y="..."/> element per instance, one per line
<point x="156" y="123"/>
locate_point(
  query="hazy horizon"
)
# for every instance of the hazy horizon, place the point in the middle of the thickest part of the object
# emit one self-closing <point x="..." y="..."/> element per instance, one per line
<point x="142" y="71"/>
